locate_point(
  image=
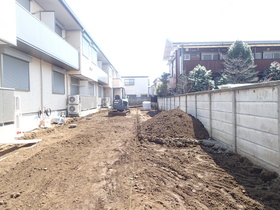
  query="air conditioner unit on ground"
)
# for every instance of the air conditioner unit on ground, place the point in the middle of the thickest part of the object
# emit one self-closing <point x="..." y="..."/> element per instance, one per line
<point x="74" y="109"/>
<point x="74" y="99"/>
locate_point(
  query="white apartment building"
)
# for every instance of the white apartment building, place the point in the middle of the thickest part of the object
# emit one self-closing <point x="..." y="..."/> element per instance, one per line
<point x="137" y="88"/>
<point x="47" y="56"/>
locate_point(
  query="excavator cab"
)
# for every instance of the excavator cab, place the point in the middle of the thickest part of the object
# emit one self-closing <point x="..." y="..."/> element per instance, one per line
<point x="120" y="107"/>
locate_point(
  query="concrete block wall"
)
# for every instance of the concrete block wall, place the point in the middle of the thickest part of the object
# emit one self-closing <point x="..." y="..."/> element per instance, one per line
<point x="257" y="125"/>
<point x="247" y="119"/>
<point x="191" y="105"/>
<point x="203" y="110"/>
<point x="183" y="103"/>
<point x="221" y="117"/>
<point x="177" y="102"/>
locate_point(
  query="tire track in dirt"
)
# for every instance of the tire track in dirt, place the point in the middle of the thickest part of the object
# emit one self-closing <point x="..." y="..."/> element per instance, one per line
<point x="107" y="163"/>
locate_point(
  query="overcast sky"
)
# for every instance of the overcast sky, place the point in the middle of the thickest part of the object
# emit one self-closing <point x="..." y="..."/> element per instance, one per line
<point x="132" y="33"/>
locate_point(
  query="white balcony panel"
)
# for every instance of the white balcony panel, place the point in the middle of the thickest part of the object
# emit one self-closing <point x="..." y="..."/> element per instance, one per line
<point x="35" y="34"/>
<point x="8" y="23"/>
<point x="101" y="75"/>
<point x="118" y="83"/>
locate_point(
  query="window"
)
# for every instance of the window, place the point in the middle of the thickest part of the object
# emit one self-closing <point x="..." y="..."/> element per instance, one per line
<point x="209" y="56"/>
<point x="258" y="56"/>
<point x="100" y="91"/>
<point x="129" y="82"/>
<point x="86" y="48"/>
<point x="75" y="84"/>
<point x="91" y="89"/>
<point x="15" y="73"/>
<point x="271" y="55"/>
<point x="187" y="57"/>
<point x="58" y="83"/>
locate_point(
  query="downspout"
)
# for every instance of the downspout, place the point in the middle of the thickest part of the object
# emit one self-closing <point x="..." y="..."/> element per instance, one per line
<point x="41" y="81"/>
<point x="182" y="61"/>
<point x="67" y="77"/>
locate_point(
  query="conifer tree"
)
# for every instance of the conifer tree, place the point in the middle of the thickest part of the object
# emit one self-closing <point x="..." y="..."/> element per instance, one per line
<point x="273" y="73"/>
<point x="239" y="64"/>
<point x="199" y="79"/>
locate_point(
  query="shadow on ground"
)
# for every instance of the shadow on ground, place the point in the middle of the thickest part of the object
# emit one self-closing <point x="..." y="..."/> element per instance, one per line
<point x="259" y="184"/>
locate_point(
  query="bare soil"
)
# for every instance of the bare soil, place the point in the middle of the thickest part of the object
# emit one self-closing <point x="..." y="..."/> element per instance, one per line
<point x="145" y="160"/>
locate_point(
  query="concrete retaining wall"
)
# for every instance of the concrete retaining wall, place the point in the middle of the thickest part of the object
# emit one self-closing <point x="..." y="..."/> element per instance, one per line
<point x="244" y="118"/>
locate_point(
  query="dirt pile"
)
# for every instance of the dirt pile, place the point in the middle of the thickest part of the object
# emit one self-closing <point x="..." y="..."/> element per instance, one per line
<point x="100" y="164"/>
<point x="173" y="125"/>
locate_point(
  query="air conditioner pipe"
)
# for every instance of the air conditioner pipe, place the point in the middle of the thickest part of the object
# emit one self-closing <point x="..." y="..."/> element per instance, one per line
<point x="47" y="112"/>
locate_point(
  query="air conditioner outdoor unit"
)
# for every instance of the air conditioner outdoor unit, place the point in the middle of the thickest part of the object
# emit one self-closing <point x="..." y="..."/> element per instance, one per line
<point x="74" y="109"/>
<point x="74" y="99"/>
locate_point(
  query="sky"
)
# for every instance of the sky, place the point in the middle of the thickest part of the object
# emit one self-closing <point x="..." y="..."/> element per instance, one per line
<point x="132" y="33"/>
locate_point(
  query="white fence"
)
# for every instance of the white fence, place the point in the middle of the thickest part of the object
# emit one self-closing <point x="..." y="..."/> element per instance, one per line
<point x="245" y="118"/>
<point x="88" y="102"/>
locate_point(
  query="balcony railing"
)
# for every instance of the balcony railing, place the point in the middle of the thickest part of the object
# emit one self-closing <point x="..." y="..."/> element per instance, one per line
<point x="7" y="106"/>
<point x="102" y="76"/>
<point x="39" y="37"/>
<point x="118" y="83"/>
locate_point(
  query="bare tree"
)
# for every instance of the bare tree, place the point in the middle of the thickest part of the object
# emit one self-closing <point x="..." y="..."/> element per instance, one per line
<point x="182" y="85"/>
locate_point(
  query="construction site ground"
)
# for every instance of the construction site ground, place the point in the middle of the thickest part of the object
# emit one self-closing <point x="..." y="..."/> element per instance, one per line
<point x="145" y="160"/>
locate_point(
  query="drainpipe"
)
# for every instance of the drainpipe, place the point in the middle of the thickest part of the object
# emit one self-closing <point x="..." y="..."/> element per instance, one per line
<point x="182" y="60"/>
<point x="67" y="77"/>
<point x="41" y="81"/>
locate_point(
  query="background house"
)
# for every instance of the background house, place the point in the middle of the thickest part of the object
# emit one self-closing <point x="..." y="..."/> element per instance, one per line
<point x="137" y="89"/>
<point x="182" y="57"/>
<point x="153" y="87"/>
<point x="47" y="57"/>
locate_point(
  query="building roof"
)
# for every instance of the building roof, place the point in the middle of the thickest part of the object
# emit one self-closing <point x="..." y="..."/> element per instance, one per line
<point x="170" y="47"/>
<point x="63" y="9"/>
<point x="135" y="76"/>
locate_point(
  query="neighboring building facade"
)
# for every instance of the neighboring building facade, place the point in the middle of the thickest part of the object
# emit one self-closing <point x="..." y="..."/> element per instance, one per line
<point x="137" y="89"/>
<point x="154" y="86"/>
<point x="182" y="57"/>
<point x="46" y="55"/>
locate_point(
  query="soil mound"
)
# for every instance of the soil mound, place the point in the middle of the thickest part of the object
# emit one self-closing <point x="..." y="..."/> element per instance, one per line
<point x="173" y="124"/>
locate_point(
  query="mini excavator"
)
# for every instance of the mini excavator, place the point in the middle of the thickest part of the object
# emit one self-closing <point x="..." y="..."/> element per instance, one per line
<point x="120" y="107"/>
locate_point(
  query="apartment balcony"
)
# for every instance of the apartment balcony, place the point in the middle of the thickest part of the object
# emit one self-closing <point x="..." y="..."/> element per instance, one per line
<point x="118" y="83"/>
<point x="102" y="76"/>
<point x="37" y="39"/>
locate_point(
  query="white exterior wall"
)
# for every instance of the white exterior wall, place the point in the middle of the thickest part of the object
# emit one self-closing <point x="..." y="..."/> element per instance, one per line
<point x="245" y="118"/>
<point x="40" y="94"/>
<point x="87" y="69"/>
<point x="140" y="87"/>
<point x="29" y="32"/>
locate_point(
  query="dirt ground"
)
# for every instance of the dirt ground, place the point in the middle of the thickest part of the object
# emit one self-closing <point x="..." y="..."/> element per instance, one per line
<point x="146" y="160"/>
